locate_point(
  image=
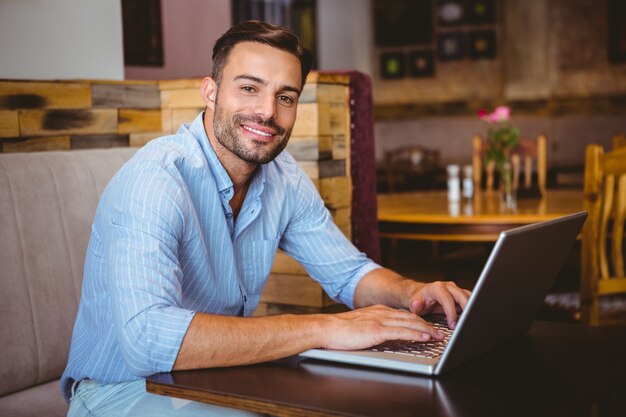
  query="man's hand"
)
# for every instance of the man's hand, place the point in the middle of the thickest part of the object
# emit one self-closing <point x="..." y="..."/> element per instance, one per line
<point x="440" y="298"/>
<point x="370" y="326"/>
<point x="383" y="286"/>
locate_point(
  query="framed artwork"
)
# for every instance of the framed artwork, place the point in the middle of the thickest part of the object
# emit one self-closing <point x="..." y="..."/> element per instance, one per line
<point x="451" y="46"/>
<point x="451" y="12"/>
<point x="482" y="44"/>
<point x="480" y="12"/>
<point x="422" y="63"/>
<point x="617" y="31"/>
<point x="392" y="65"/>
<point x="143" y="40"/>
<point x="297" y="15"/>
<point x="403" y="22"/>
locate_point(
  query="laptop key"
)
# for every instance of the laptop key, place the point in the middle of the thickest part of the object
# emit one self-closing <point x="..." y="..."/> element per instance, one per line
<point x="431" y="349"/>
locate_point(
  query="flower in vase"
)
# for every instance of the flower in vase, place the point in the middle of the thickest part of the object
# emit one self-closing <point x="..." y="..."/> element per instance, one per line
<point x="501" y="135"/>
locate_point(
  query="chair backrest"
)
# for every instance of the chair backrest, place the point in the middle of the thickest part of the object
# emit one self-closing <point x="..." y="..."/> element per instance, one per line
<point x="404" y="163"/>
<point x="528" y="156"/>
<point x="618" y="141"/>
<point x="47" y="204"/>
<point x="602" y="268"/>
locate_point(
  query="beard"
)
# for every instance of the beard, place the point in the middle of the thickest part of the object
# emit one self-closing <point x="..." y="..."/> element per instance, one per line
<point x="227" y="133"/>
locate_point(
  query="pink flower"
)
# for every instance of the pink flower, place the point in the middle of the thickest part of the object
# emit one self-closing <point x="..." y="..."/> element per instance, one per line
<point x="482" y="114"/>
<point x="500" y="114"/>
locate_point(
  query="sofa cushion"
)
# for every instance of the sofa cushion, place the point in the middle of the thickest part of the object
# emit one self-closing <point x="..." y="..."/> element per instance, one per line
<point x="41" y="400"/>
<point x="47" y="204"/>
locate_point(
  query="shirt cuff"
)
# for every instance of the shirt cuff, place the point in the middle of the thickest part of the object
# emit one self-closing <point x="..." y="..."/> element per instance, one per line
<point x="169" y="330"/>
<point x="347" y="295"/>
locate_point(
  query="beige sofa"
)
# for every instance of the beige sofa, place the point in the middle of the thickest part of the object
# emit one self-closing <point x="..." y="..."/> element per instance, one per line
<point x="47" y="202"/>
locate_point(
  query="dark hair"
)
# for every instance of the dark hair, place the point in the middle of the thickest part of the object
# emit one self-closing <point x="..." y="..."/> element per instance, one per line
<point x="257" y="31"/>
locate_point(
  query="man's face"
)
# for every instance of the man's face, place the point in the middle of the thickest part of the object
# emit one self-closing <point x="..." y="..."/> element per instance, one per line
<point x="256" y="101"/>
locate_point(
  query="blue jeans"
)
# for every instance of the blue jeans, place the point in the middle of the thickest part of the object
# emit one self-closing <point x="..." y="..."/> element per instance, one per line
<point x="91" y="399"/>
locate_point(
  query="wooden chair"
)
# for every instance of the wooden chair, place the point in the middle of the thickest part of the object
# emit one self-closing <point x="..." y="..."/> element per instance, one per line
<point x="527" y="150"/>
<point x="602" y="258"/>
<point x="408" y="163"/>
<point x="618" y="141"/>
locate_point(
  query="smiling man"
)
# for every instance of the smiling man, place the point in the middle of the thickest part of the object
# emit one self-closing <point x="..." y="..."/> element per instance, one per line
<point x="185" y="235"/>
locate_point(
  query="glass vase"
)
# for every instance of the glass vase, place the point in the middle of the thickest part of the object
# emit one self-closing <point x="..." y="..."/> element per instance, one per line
<point x="508" y="199"/>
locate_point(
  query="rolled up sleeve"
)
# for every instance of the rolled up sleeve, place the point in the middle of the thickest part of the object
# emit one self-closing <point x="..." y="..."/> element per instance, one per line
<point x="144" y="229"/>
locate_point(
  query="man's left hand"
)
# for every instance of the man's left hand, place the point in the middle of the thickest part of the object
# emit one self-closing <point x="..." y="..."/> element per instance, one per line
<point x="440" y="297"/>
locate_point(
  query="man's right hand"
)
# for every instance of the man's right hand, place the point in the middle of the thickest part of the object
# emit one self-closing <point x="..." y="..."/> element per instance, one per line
<point x="370" y="326"/>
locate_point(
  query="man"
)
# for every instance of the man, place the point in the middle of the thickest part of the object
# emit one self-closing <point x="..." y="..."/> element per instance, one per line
<point x="185" y="235"/>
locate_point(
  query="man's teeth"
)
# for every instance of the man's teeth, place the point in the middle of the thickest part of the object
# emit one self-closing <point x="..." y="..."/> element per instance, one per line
<point x="258" y="132"/>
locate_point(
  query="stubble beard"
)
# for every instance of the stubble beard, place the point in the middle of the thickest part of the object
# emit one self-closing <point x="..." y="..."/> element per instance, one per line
<point x="227" y="133"/>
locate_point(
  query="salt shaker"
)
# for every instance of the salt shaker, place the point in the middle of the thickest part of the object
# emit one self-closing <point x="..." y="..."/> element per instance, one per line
<point x="454" y="183"/>
<point x="468" y="182"/>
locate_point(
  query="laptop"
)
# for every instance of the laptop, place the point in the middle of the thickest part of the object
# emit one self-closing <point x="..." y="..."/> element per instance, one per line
<point x="507" y="297"/>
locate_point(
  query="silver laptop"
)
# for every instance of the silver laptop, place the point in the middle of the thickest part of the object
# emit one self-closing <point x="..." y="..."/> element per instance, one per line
<point x="507" y="297"/>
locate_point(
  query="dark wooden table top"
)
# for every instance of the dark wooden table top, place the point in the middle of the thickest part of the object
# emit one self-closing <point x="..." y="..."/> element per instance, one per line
<point x="555" y="370"/>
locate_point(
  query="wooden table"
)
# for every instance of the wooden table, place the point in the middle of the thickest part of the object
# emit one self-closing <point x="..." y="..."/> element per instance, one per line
<point x="427" y="215"/>
<point x="556" y="370"/>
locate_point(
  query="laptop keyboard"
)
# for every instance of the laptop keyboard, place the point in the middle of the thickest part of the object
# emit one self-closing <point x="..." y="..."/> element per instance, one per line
<point x="431" y="349"/>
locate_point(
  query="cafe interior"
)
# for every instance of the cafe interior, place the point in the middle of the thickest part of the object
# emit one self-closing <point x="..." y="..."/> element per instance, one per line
<point x="428" y="126"/>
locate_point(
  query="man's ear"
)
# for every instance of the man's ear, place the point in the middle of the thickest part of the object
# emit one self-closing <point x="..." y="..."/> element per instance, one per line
<point x="209" y="92"/>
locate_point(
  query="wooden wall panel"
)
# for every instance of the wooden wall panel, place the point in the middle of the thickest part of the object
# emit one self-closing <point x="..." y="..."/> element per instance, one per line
<point x="336" y="192"/>
<point x="310" y="148"/>
<point x="9" y="126"/>
<point x="342" y="218"/>
<point x="181" y="99"/>
<point x="138" y="120"/>
<point x="296" y="290"/>
<point x="180" y="116"/>
<point x="98" y="141"/>
<point x="137" y="140"/>
<point x="55" y="122"/>
<point x="50" y="143"/>
<point x="44" y="95"/>
<point x="126" y="96"/>
<point x="285" y="264"/>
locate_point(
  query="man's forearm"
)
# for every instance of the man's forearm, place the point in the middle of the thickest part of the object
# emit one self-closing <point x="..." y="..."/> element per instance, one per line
<point x="214" y="341"/>
<point x="383" y="286"/>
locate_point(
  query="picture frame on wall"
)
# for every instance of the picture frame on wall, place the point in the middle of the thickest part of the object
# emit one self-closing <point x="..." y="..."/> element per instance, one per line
<point x="297" y="15"/>
<point x="481" y="12"/>
<point x="482" y="44"/>
<point x="143" y="39"/>
<point x="450" y="13"/>
<point x="422" y="63"/>
<point x="392" y="65"/>
<point x="617" y="31"/>
<point x="403" y="22"/>
<point x="451" y="46"/>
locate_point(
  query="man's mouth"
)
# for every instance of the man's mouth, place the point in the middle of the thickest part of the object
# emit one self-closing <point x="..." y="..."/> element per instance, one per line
<point x="263" y="133"/>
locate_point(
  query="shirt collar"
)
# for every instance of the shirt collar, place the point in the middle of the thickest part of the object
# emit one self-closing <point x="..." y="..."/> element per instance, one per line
<point x="222" y="179"/>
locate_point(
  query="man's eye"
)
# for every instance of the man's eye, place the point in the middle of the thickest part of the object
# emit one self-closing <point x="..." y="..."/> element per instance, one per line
<point x="248" y="89"/>
<point x="286" y="100"/>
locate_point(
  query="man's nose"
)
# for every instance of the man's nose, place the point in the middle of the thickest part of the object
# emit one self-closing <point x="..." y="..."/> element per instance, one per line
<point x="266" y="106"/>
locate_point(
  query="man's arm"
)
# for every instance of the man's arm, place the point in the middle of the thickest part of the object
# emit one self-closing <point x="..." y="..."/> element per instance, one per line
<point x="383" y="286"/>
<point x="213" y="341"/>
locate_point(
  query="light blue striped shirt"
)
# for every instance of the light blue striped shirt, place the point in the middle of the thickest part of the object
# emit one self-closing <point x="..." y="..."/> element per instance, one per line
<point x="164" y="244"/>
